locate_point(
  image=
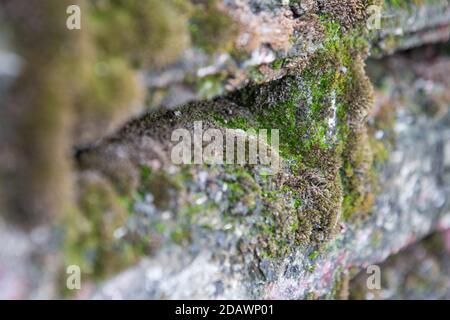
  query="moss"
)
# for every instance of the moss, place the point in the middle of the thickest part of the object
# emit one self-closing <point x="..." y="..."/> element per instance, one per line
<point x="357" y="153"/>
<point x="340" y="288"/>
<point x="242" y="188"/>
<point x="327" y="167"/>
<point x="41" y="97"/>
<point x="379" y="149"/>
<point x="211" y="28"/>
<point x="149" y="33"/>
<point x="277" y="64"/>
<point x="313" y="255"/>
<point x="301" y="107"/>
<point x="59" y="111"/>
<point x="108" y="232"/>
<point x="398" y="4"/>
<point x="90" y="239"/>
<point x="180" y="235"/>
<point x="159" y="185"/>
<point x="348" y="13"/>
<point x="69" y="92"/>
<point x="210" y="86"/>
<point x="110" y="92"/>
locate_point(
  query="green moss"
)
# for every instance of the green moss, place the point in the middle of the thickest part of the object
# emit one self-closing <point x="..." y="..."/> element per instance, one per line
<point x="358" y="155"/>
<point x="255" y="74"/>
<point x="100" y="93"/>
<point x="210" y="86"/>
<point x="340" y="288"/>
<point x="277" y="64"/>
<point x="326" y="172"/>
<point x="401" y="4"/>
<point x="313" y="255"/>
<point x="303" y="208"/>
<point x="90" y="240"/>
<point x="211" y="28"/>
<point x="41" y="98"/>
<point x="301" y="107"/>
<point x="149" y="33"/>
<point x="180" y="235"/>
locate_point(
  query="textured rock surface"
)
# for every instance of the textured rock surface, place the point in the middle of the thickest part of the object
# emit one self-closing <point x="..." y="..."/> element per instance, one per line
<point x="418" y="272"/>
<point x="364" y="172"/>
<point x="407" y="25"/>
<point x="276" y="39"/>
<point x="190" y="50"/>
<point x="413" y="201"/>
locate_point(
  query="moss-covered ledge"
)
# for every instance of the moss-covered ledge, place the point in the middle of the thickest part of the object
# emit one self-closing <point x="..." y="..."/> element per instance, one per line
<point x="120" y="201"/>
<point x="163" y="54"/>
<point x="237" y="233"/>
<point x="326" y="177"/>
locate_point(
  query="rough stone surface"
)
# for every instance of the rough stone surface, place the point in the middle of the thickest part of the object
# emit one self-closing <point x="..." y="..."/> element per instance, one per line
<point x="414" y="188"/>
<point x="271" y="32"/>
<point x="417" y="272"/>
<point x="365" y="170"/>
